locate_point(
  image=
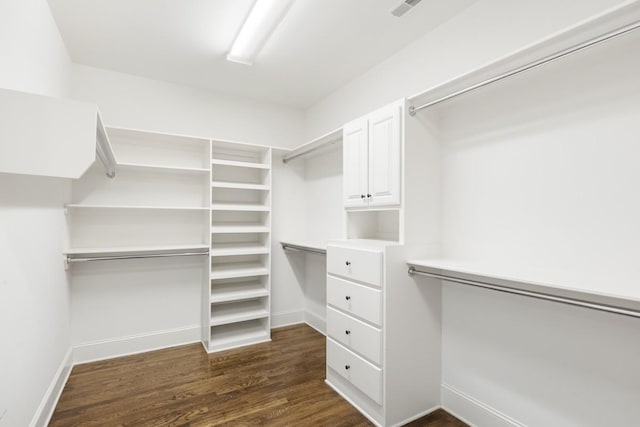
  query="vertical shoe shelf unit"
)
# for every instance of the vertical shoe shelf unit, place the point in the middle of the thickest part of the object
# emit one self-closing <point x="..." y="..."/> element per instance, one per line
<point x="237" y="298"/>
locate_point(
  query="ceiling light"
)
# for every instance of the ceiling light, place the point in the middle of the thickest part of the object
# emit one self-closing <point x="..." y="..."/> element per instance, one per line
<point x="262" y="20"/>
<point x="404" y="7"/>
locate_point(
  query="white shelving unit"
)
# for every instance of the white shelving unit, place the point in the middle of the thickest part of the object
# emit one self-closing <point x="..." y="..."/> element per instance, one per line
<point x="237" y="302"/>
<point x="157" y="204"/>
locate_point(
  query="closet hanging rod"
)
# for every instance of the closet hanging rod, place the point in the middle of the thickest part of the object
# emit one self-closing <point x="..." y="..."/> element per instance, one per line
<point x="109" y="258"/>
<point x="531" y="294"/>
<point x="288" y="247"/>
<point x="545" y="60"/>
<point x="318" y="143"/>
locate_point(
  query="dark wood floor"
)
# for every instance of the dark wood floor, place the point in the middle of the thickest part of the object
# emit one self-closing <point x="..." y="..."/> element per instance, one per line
<point x="278" y="383"/>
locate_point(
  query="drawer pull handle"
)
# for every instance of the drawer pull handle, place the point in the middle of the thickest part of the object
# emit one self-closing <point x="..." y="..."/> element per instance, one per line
<point x="362" y="196"/>
<point x="369" y="195"/>
<point x="348" y="332"/>
<point x="348" y="263"/>
<point x="347" y="298"/>
<point x="347" y="367"/>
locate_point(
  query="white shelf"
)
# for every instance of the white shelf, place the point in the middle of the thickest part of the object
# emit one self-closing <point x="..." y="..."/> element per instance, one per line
<point x="238" y="334"/>
<point x="240" y="207"/>
<point x="238" y="269"/>
<point x="132" y="250"/>
<point x="239" y="185"/>
<point x="171" y="208"/>
<point x="236" y="163"/>
<point x="161" y="168"/>
<point x="239" y="228"/>
<point x="229" y="249"/>
<point x="234" y="312"/>
<point x="237" y="291"/>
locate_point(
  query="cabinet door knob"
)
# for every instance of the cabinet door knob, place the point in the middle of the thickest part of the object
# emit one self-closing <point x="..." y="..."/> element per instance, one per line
<point x="347" y="297"/>
<point x="348" y="263"/>
<point x="362" y="196"/>
<point x="368" y="195"/>
<point x="347" y="367"/>
<point x="347" y="332"/>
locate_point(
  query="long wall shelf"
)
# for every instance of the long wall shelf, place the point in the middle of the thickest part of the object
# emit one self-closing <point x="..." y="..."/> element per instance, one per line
<point x="161" y="168"/>
<point x="132" y="250"/>
<point x="137" y="207"/>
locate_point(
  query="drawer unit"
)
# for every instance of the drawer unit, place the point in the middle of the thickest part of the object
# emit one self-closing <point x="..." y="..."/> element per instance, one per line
<point x="355" y="335"/>
<point x="362" y="374"/>
<point x="357" y="300"/>
<point x="357" y="264"/>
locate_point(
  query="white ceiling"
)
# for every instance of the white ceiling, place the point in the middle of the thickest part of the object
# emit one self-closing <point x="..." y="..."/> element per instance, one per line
<point x="319" y="46"/>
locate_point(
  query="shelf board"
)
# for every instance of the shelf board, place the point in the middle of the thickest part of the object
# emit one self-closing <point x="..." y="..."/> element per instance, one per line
<point x="318" y="248"/>
<point x="238" y="269"/>
<point x="132" y="250"/>
<point x="237" y="334"/>
<point x="161" y="168"/>
<point x="236" y="163"/>
<point x="238" y="291"/>
<point x="235" y="312"/>
<point x="240" y="207"/>
<point x="135" y="207"/>
<point x="240" y="185"/>
<point x="228" y="249"/>
<point x="239" y="228"/>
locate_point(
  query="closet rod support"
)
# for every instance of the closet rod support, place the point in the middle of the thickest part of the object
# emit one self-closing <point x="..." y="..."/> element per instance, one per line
<point x="538" y="295"/>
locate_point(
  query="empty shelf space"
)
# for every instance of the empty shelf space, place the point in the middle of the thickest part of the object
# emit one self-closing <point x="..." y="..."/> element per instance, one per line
<point x="240" y="207"/>
<point x="161" y="168"/>
<point x="239" y="228"/>
<point x="237" y="334"/>
<point x="238" y="291"/>
<point x="238" y="269"/>
<point x="173" y="208"/>
<point x="133" y="250"/>
<point x="234" y="312"/>
<point x="249" y="248"/>
<point x="236" y="163"/>
<point x="240" y="185"/>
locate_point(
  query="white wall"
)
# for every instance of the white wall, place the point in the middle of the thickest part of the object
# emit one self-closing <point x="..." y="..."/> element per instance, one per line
<point x="135" y="102"/>
<point x="34" y="296"/>
<point x="532" y="362"/>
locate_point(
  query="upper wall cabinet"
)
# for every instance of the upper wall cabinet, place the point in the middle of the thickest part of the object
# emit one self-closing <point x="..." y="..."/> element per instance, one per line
<point x="372" y="147"/>
<point x="47" y="136"/>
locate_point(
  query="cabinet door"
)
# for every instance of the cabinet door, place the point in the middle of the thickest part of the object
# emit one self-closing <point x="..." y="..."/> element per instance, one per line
<point x="384" y="156"/>
<point x="355" y="164"/>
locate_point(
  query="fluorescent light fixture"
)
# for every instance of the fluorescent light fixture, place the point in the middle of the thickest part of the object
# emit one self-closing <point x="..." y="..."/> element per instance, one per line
<point x="262" y="20"/>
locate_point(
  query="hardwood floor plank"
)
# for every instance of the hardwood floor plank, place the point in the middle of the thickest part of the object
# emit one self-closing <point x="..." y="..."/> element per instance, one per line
<point x="279" y="383"/>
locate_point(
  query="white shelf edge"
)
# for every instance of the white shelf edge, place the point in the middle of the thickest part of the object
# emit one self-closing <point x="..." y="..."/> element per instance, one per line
<point x="239" y="207"/>
<point x="134" y="207"/>
<point x="235" y="163"/>
<point x="232" y="296"/>
<point x="239" y="250"/>
<point x="315" y="144"/>
<point x="133" y="249"/>
<point x="239" y="185"/>
<point x="237" y="318"/>
<point x="239" y="229"/>
<point x="231" y="270"/>
<point x="161" y="168"/>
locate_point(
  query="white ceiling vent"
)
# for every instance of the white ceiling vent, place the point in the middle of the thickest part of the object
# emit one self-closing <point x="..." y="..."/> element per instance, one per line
<point x="404" y="7"/>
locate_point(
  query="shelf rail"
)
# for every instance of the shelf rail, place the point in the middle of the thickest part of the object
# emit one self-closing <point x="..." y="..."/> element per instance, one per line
<point x="300" y="248"/>
<point x="72" y="259"/>
<point x="326" y="140"/>
<point x="532" y="294"/>
<point x="532" y="65"/>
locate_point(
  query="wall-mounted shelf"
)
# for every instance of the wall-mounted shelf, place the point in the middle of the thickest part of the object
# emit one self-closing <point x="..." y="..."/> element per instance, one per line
<point x="240" y="185"/>
<point x="236" y="249"/>
<point x="238" y="291"/>
<point x="254" y="207"/>
<point x="134" y="250"/>
<point x="333" y="137"/>
<point x="238" y="269"/>
<point x="134" y="207"/>
<point x="239" y="228"/>
<point x="161" y="168"/>
<point x="250" y="165"/>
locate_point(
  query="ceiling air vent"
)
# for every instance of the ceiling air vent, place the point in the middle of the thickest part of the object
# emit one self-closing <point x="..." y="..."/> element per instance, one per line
<point x="404" y="7"/>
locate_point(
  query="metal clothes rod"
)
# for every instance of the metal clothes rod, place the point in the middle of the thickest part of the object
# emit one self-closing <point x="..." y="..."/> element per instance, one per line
<point x="288" y="247"/>
<point x="532" y="294"/>
<point x="109" y="258"/>
<point x="547" y="59"/>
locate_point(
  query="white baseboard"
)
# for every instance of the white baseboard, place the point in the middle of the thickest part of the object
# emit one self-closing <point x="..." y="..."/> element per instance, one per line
<point x="133" y="344"/>
<point x="473" y="411"/>
<point x="316" y="322"/>
<point x="279" y="320"/>
<point x="50" y="400"/>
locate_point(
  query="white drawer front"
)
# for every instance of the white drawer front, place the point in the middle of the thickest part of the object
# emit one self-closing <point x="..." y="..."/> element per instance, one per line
<point x="362" y="374"/>
<point x="355" y="299"/>
<point x="355" y="335"/>
<point x="356" y="264"/>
